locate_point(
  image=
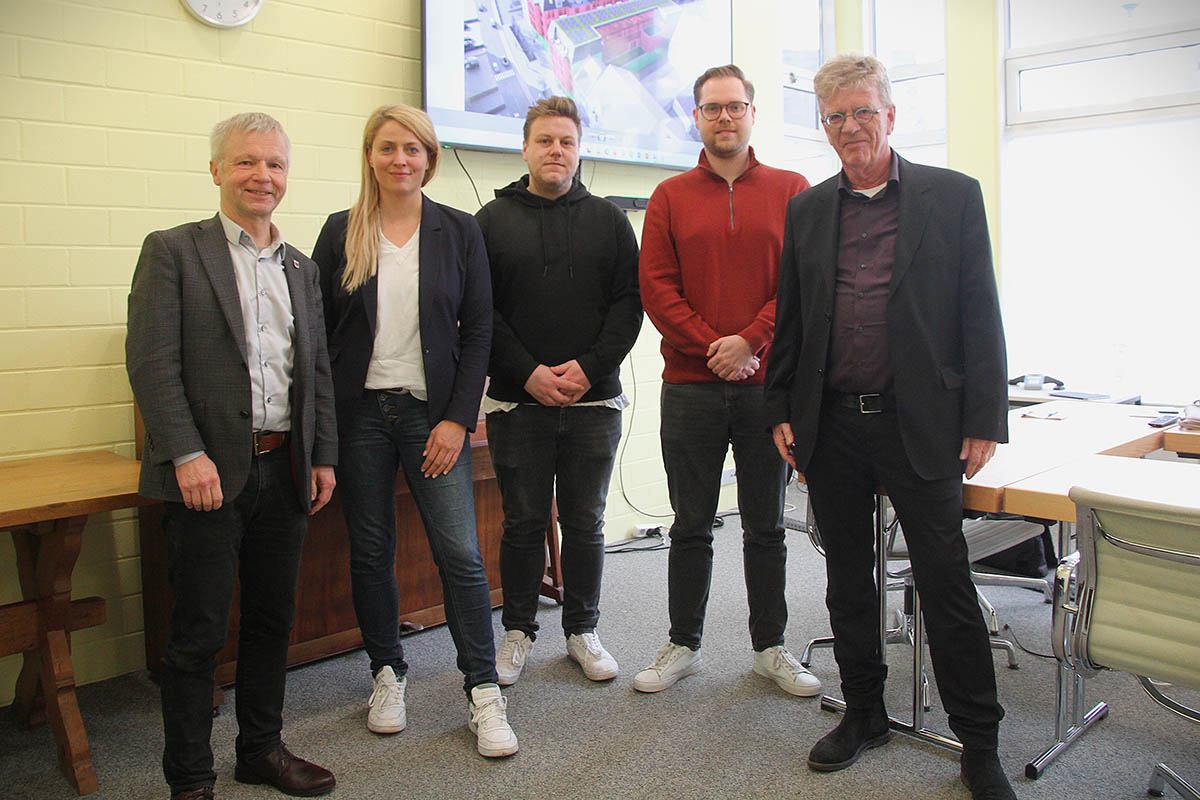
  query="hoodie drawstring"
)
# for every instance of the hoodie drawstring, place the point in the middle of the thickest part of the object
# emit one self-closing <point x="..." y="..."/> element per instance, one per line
<point x="542" y="236"/>
<point x="570" y="258"/>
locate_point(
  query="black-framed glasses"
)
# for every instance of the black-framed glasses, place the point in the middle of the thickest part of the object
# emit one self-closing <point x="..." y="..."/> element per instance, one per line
<point x="861" y="115"/>
<point x="737" y="109"/>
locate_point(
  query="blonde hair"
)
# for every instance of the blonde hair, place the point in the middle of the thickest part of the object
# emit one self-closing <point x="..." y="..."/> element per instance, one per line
<point x="851" y="71"/>
<point x="552" y="107"/>
<point x="362" y="229"/>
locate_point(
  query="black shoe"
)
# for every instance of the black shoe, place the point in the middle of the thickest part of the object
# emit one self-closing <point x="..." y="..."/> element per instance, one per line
<point x="858" y="730"/>
<point x="286" y="772"/>
<point x="982" y="774"/>
<point x="203" y="793"/>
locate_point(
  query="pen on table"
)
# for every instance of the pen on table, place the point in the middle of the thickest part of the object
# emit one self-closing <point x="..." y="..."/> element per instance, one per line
<point x="1054" y="415"/>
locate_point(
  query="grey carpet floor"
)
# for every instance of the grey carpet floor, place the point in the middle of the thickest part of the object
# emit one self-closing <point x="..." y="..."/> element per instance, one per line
<point x="722" y="733"/>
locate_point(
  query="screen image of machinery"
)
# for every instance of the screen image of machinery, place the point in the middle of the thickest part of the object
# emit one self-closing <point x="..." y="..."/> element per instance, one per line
<point x="628" y="64"/>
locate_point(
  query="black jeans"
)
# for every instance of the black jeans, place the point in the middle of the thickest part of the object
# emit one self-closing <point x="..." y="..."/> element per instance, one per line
<point x="257" y="536"/>
<point x="699" y="422"/>
<point x="543" y="453"/>
<point x="854" y="454"/>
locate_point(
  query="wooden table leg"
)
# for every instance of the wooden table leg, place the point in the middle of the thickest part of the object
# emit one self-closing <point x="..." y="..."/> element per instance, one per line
<point x="552" y="582"/>
<point x="46" y="555"/>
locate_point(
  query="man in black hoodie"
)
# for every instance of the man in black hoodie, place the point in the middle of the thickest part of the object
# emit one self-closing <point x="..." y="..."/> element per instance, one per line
<point x="567" y="311"/>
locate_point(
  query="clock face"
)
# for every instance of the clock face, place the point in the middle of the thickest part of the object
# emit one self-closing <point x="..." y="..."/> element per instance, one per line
<point x="223" y="13"/>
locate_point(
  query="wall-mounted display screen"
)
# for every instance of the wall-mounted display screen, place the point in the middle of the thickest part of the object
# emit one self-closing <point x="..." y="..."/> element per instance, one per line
<point x="628" y="64"/>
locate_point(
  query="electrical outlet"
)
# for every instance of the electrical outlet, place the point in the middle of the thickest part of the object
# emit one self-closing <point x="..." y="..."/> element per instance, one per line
<point x="729" y="476"/>
<point x="647" y="529"/>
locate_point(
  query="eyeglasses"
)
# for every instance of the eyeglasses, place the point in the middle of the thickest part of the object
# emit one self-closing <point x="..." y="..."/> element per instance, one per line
<point x="861" y="115"/>
<point x="737" y="110"/>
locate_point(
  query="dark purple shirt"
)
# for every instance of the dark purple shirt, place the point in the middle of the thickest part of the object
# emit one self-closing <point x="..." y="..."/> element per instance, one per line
<point x="858" y="346"/>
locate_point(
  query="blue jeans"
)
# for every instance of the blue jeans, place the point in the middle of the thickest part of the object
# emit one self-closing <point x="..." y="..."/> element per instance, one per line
<point x="542" y="453"/>
<point x="388" y="433"/>
<point x="257" y="536"/>
<point x="699" y="422"/>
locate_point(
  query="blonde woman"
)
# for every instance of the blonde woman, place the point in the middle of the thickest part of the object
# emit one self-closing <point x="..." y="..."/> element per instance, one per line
<point x="408" y="310"/>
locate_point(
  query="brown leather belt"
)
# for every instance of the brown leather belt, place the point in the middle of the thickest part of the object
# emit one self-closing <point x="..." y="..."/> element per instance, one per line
<point x="267" y="441"/>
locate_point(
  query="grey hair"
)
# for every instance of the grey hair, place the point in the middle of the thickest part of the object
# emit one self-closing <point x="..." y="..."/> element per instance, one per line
<point x="245" y="122"/>
<point x="851" y="71"/>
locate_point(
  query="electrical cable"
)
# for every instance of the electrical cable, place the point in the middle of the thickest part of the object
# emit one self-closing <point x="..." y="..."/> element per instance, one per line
<point x="468" y="174"/>
<point x="629" y="545"/>
<point x="1009" y="629"/>
<point x="621" y="455"/>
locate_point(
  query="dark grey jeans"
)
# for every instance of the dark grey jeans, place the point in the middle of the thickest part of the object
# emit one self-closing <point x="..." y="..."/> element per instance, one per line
<point x="699" y="423"/>
<point x="541" y="453"/>
<point x="256" y="536"/>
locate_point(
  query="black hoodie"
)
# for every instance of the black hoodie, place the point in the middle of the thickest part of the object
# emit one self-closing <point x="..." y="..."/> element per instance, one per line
<point x="564" y="286"/>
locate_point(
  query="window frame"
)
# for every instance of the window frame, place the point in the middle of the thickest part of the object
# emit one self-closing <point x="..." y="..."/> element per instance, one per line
<point x="923" y="69"/>
<point x="1096" y="48"/>
<point x="804" y="77"/>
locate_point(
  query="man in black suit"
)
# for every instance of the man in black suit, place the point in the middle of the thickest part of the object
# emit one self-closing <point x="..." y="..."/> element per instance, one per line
<point x="888" y="367"/>
<point x="227" y="358"/>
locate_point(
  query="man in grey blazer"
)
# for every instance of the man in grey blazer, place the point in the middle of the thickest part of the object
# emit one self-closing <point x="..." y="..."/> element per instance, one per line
<point x="227" y="358"/>
<point x="888" y="367"/>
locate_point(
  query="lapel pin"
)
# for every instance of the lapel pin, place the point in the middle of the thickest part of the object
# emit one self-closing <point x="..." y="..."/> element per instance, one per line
<point x="296" y="263"/>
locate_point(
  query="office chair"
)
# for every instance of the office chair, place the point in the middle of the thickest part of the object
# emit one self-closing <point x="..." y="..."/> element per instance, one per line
<point x="900" y="630"/>
<point x="1136" y="602"/>
<point x="984" y="538"/>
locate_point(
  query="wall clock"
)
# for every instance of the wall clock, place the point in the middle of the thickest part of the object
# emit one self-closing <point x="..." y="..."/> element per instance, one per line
<point x="223" y="13"/>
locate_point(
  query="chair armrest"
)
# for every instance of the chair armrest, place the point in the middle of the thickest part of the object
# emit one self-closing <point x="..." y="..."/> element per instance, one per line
<point x="1064" y="611"/>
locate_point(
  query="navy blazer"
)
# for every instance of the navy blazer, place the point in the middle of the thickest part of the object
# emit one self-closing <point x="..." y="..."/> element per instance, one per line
<point x="945" y="337"/>
<point x="455" y="308"/>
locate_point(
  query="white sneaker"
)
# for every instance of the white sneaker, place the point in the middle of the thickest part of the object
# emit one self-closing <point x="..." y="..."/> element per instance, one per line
<point x="672" y="663"/>
<point x="510" y="658"/>
<point x="782" y="667"/>
<point x="585" y="648"/>
<point x="387" y="713"/>
<point x="489" y="721"/>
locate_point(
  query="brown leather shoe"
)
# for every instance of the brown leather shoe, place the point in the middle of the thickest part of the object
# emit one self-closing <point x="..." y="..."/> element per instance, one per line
<point x="286" y="772"/>
<point x="203" y="793"/>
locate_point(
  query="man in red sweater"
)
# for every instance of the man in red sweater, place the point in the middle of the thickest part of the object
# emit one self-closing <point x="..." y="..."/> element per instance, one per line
<point x="708" y="270"/>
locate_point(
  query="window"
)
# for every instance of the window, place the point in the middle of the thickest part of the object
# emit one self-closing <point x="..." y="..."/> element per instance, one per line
<point x="909" y="37"/>
<point x="808" y="37"/>
<point x="1097" y="200"/>
<point x="1084" y="58"/>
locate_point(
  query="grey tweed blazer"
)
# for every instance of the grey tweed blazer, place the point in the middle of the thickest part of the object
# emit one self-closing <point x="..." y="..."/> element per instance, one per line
<point x="185" y="352"/>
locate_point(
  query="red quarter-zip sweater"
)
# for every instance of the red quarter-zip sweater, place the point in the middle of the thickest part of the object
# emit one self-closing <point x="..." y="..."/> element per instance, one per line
<point x="709" y="264"/>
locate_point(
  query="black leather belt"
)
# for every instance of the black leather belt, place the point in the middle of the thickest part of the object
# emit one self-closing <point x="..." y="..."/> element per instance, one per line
<point x="267" y="441"/>
<point x="872" y="403"/>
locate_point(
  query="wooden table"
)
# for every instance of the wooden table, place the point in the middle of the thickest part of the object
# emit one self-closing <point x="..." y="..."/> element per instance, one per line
<point x="44" y="504"/>
<point x="1049" y="435"/>
<point x="1180" y="441"/>
<point x="1046" y="495"/>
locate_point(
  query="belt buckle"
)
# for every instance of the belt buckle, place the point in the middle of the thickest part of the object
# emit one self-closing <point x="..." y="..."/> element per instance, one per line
<point x="259" y="452"/>
<point x="862" y="405"/>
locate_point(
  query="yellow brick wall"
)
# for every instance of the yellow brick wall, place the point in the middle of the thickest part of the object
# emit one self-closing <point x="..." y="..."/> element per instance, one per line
<point x="105" y="106"/>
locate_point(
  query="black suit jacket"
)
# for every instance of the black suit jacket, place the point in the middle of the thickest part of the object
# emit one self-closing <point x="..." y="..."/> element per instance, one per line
<point x="455" y="308"/>
<point x="186" y="355"/>
<point x="945" y="338"/>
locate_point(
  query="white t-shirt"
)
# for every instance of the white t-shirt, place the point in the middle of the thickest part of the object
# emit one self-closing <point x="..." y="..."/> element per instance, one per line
<point x="396" y="361"/>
